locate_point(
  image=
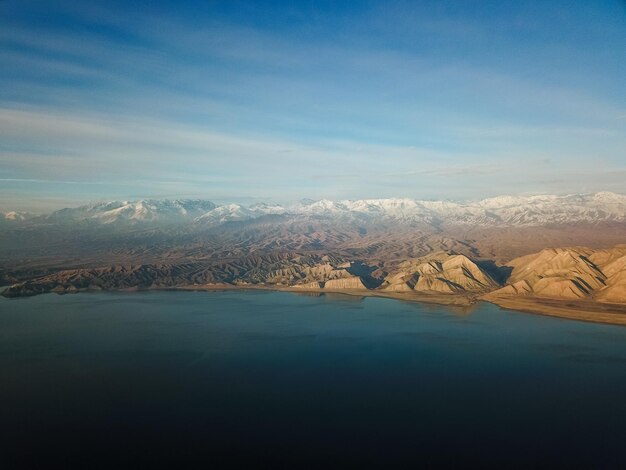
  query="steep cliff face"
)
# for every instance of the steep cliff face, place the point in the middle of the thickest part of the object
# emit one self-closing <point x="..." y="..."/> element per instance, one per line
<point x="440" y="272"/>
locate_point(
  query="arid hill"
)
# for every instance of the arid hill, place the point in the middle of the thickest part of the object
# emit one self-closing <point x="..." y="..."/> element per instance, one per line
<point x="569" y="273"/>
<point x="574" y="282"/>
<point x="276" y="270"/>
<point x="439" y="272"/>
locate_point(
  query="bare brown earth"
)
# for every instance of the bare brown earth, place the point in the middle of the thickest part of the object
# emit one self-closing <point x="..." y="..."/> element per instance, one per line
<point x="575" y="273"/>
<point x="576" y="282"/>
<point x="35" y="250"/>
<point x="503" y="244"/>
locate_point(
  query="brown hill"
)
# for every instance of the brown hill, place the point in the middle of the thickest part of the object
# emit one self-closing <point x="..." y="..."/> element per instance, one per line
<point x="353" y="282"/>
<point x="279" y="270"/>
<point x="442" y="272"/>
<point x="569" y="273"/>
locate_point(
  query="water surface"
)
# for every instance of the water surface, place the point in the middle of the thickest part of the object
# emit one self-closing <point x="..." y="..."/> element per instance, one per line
<point x="279" y="379"/>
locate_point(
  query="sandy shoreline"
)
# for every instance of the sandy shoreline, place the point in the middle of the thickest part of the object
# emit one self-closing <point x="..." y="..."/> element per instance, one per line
<point x="582" y="310"/>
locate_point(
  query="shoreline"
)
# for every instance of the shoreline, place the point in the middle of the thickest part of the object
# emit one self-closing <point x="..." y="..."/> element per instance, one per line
<point x="434" y="298"/>
<point x="579" y="310"/>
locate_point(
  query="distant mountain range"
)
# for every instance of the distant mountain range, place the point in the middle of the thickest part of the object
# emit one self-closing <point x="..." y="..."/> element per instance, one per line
<point x="498" y="211"/>
<point x="562" y="255"/>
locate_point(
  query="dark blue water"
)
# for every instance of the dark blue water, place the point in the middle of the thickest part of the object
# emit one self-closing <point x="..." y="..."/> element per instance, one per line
<point x="276" y="379"/>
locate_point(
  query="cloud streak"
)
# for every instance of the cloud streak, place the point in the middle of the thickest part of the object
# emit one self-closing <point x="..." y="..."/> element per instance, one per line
<point x="368" y="102"/>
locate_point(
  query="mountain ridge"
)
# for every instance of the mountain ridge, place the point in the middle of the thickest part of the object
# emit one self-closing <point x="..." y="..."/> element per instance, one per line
<point x="502" y="211"/>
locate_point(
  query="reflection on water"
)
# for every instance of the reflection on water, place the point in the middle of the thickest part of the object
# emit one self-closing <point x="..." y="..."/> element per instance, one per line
<point x="339" y="297"/>
<point x="333" y="296"/>
<point x="277" y="379"/>
<point x="309" y="294"/>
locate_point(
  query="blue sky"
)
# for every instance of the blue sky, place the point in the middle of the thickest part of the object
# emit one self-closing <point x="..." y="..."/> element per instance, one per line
<point x="276" y="101"/>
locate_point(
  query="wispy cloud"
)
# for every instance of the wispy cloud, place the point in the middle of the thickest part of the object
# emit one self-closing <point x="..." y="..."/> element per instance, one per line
<point x="174" y="159"/>
<point x="395" y="100"/>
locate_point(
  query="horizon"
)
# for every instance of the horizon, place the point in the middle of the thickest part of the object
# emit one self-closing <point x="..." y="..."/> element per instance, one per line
<point x="305" y="201"/>
<point x="323" y="100"/>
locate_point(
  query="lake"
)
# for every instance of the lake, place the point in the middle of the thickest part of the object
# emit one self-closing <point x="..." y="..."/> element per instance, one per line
<point x="277" y="380"/>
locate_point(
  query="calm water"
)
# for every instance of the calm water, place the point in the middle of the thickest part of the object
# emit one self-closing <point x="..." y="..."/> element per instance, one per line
<point x="277" y="379"/>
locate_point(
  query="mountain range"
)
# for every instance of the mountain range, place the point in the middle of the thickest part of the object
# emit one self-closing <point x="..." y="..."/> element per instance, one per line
<point x="520" y="252"/>
<point x="503" y="211"/>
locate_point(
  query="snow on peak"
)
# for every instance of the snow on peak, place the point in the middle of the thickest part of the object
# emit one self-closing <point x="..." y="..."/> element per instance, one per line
<point x="142" y="211"/>
<point x="501" y="210"/>
<point x="16" y="216"/>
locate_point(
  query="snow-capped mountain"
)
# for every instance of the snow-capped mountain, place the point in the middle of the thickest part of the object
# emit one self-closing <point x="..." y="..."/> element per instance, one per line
<point x="226" y="213"/>
<point x="13" y="218"/>
<point x="265" y="209"/>
<point x="144" y="211"/>
<point x="549" y="209"/>
<point x="16" y="216"/>
<point x="237" y="212"/>
<point x="497" y="211"/>
<point x="503" y="210"/>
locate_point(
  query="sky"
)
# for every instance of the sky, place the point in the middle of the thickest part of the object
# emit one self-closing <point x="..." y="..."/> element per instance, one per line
<point x="281" y="100"/>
